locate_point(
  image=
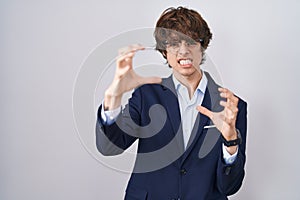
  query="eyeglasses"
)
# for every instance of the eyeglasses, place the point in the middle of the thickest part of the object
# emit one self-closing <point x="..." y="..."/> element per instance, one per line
<point x="173" y="46"/>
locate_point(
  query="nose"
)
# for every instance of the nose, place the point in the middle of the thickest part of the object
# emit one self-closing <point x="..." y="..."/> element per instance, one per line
<point x="183" y="48"/>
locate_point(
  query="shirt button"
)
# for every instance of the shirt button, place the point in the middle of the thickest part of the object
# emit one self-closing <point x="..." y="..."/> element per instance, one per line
<point x="227" y="170"/>
<point x="183" y="172"/>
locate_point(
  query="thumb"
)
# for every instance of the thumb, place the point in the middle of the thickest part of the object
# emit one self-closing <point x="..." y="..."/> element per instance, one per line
<point x="150" y="80"/>
<point x="205" y="111"/>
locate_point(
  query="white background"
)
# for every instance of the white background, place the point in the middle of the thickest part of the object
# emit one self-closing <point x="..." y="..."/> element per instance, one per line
<point x="43" y="44"/>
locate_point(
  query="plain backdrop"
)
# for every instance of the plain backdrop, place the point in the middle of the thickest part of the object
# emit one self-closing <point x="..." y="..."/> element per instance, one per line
<point x="44" y="43"/>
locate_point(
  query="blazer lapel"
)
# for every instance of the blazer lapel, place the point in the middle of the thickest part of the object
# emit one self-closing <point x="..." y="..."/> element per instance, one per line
<point x="171" y="103"/>
<point x="215" y="99"/>
<point x="200" y="122"/>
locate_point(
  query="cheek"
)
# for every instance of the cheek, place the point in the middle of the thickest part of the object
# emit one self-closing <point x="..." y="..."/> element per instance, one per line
<point x="198" y="58"/>
<point x="171" y="59"/>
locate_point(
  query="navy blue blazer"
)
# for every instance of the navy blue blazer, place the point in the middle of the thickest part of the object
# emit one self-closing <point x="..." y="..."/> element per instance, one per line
<point x="164" y="169"/>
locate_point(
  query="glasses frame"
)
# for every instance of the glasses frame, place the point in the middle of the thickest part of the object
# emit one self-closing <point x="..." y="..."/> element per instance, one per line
<point x="174" y="46"/>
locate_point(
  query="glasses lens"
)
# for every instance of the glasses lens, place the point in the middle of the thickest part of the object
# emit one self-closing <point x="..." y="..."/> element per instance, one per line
<point x="174" y="46"/>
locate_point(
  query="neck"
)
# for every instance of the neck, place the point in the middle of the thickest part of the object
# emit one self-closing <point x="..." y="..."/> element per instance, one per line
<point x="191" y="82"/>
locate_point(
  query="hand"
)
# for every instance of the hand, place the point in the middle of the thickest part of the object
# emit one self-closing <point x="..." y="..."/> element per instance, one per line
<point x="125" y="77"/>
<point x="226" y="119"/>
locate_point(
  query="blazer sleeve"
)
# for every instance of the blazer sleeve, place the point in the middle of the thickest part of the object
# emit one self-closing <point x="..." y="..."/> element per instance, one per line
<point x="115" y="138"/>
<point x="230" y="177"/>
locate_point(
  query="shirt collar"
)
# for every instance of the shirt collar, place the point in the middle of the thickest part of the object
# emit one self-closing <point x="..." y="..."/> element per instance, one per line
<point x="201" y="86"/>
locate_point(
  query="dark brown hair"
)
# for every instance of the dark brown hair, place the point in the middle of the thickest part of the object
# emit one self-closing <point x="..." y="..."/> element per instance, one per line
<point x="182" y="21"/>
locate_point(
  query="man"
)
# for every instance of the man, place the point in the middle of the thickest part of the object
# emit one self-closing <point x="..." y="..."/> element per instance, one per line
<point x="191" y="132"/>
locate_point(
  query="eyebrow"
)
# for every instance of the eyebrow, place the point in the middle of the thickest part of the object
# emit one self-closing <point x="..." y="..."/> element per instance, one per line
<point x="177" y="37"/>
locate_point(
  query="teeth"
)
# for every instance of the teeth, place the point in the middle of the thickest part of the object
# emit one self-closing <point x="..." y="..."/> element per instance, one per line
<point x="185" y="62"/>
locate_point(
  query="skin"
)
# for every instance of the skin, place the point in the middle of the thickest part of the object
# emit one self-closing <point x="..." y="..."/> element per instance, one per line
<point x="125" y="78"/>
<point x="189" y="75"/>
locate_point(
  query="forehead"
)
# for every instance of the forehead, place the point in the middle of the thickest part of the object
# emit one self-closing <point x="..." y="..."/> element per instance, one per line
<point x="177" y="36"/>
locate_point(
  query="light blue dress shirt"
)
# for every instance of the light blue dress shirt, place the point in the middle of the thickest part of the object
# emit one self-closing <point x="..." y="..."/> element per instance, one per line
<point x="188" y="105"/>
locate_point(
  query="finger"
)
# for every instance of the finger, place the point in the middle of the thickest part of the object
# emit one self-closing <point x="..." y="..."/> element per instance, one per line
<point x="225" y="93"/>
<point x="125" y="56"/>
<point x="229" y="113"/>
<point x="123" y="60"/>
<point x="127" y="53"/>
<point x="229" y="120"/>
<point x="205" y="111"/>
<point x="229" y="105"/>
<point x="131" y="48"/>
<point x="233" y="99"/>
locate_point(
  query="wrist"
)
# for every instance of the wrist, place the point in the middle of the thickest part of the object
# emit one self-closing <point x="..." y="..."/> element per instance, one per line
<point x="231" y="150"/>
<point x="233" y="141"/>
<point x="232" y="136"/>
<point x="111" y="101"/>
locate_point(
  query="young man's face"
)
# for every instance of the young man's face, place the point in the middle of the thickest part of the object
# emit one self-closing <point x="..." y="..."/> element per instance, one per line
<point x="184" y="56"/>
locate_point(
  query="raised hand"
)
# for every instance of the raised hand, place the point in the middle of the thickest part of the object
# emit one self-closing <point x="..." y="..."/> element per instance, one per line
<point x="125" y="78"/>
<point x="226" y="119"/>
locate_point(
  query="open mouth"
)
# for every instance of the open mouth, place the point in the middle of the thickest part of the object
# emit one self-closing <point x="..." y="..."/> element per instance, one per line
<point x="185" y="61"/>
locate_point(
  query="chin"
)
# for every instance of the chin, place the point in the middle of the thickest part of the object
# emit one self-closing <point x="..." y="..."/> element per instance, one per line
<point x="187" y="73"/>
